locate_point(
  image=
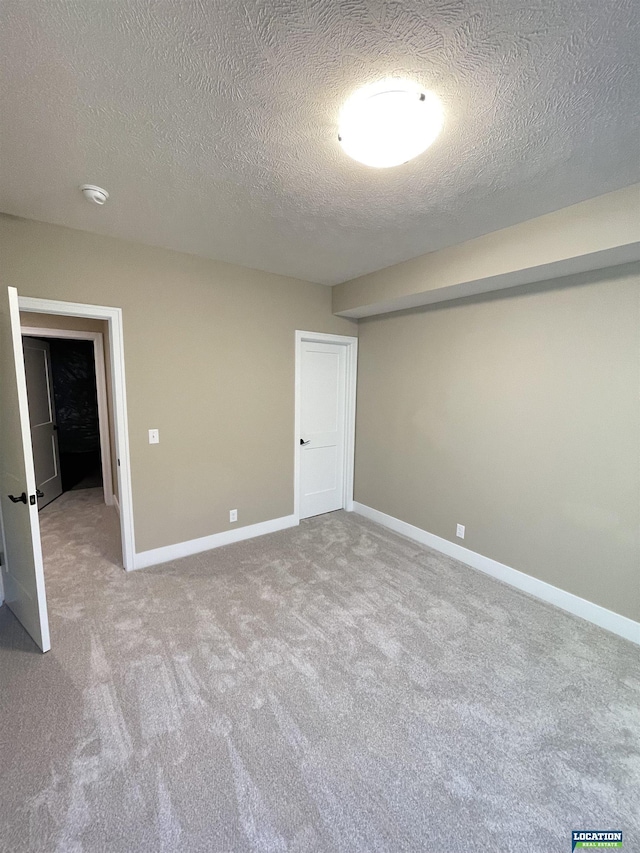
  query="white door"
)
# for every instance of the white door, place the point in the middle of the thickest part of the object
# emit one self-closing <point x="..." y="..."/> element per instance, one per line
<point x="22" y="571"/>
<point x="42" y="417"/>
<point x="322" y="427"/>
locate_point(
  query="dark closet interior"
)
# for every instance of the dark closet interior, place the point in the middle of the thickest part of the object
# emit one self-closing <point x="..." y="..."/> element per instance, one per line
<point x="76" y="403"/>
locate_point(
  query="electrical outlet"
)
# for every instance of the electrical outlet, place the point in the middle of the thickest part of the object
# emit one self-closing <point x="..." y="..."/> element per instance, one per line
<point x="154" y="436"/>
<point x="460" y="531"/>
<point x="233" y="515"/>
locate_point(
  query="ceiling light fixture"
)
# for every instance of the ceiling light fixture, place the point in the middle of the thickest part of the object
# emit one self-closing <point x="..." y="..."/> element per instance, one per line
<point x="389" y="122"/>
<point x="95" y="194"/>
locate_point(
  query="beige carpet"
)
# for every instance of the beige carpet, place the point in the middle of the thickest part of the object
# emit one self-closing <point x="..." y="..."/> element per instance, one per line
<point x="333" y="687"/>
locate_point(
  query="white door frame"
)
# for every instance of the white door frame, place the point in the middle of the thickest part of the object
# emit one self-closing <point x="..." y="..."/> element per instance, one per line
<point x="113" y="316"/>
<point x="351" y="346"/>
<point x="101" y="393"/>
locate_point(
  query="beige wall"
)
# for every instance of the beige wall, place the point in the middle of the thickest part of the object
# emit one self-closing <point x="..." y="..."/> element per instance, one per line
<point x="518" y="415"/>
<point x="57" y="321"/>
<point x="84" y="324"/>
<point x="593" y="234"/>
<point x="515" y="413"/>
<point x="209" y="351"/>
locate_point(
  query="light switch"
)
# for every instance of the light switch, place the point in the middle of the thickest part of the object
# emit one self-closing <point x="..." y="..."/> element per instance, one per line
<point x="154" y="436"/>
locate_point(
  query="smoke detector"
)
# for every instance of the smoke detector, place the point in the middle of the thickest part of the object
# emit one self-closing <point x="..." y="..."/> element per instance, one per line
<point x="95" y="194"/>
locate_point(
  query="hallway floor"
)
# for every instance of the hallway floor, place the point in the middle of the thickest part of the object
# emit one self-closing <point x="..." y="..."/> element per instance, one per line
<point x="333" y="687"/>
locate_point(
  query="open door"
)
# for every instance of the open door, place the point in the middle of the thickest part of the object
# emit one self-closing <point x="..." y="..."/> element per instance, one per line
<point x="42" y="416"/>
<point x="22" y="570"/>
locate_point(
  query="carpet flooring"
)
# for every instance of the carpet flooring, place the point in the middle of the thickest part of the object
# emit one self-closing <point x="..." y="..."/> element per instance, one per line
<point x="91" y="481"/>
<point x="333" y="687"/>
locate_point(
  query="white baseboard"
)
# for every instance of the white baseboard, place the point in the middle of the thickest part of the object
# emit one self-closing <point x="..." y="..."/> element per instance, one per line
<point x="216" y="540"/>
<point x="614" y="622"/>
<point x="116" y="503"/>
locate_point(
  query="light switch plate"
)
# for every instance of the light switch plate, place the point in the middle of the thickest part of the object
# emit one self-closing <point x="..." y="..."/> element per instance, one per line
<point x="154" y="436"/>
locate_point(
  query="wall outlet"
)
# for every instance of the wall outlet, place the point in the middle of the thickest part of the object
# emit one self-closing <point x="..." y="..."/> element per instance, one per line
<point x="460" y="531"/>
<point x="233" y="515"/>
<point x="154" y="436"/>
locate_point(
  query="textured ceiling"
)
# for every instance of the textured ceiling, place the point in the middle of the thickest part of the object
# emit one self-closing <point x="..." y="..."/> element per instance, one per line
<point x="212" y="123"/>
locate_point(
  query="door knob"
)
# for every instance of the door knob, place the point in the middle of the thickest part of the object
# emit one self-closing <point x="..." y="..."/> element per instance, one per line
<point x="22" y="498"/>
<point x="305" y="442"/>
<point x="39" y="493"/>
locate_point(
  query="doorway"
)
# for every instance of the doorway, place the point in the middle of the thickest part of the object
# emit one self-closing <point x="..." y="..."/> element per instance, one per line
<point x="326" y="373"/>
<point x="71" y="429"/>
<point x="108" y="352"/>
<point x="22" y="564"/>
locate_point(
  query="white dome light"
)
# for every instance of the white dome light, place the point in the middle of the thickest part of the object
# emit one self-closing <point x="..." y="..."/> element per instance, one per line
<point x="389" y="122"/>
